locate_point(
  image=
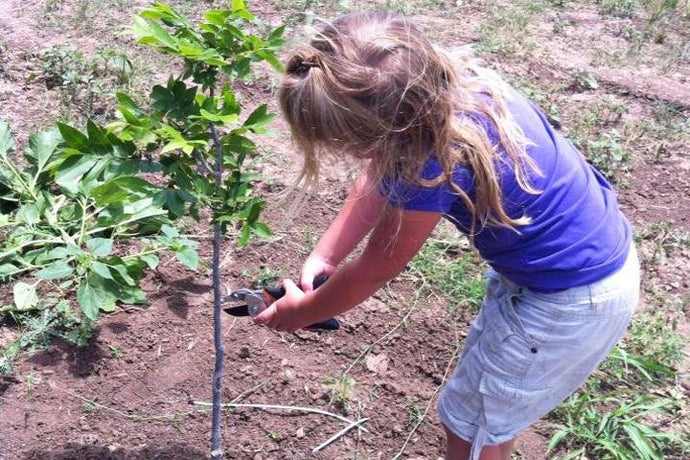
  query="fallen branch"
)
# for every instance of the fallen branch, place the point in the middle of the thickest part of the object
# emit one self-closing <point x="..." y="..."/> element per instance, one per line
<point x="339" y="434"/>
<point x="309" y="410"/>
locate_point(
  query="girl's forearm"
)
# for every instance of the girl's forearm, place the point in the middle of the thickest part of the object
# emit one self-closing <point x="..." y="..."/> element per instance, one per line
<point x="352" y="284"/>
<point x="386" y="254"/>
<point x="358" y="216"/>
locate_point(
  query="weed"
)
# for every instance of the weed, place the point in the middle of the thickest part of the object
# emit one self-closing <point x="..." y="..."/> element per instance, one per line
<point x="83" y="82"/>
<point x="115" y="351"/>
<point x="620" y="8"/>
<point x="505" y="31"/>
<point x="268" y="276"/>
<point x="303" y="11"/>
<point x="608" y="155"/>
<point x="665" y="126"/>
<point x="612" y="426"/>
<point x="340" y="388"/>
<point x="30" y="381"/>
<point x="451" y="272"/>
<point x="37" y="329"/>
<point x="88" y="405"/>
<point x="61" y="65"/>
<point x="584" y="80"/>
<point x="274" y="436"/>
<point x="654" y="336"/>
<point x="415" y="414"/>
<point x="546" y="97"/>
<point x="400" y="6"/>
<point x="665" y="237"/>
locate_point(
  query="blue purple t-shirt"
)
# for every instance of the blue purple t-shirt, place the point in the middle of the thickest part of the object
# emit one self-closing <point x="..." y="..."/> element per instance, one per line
<point x="576" y="234"/>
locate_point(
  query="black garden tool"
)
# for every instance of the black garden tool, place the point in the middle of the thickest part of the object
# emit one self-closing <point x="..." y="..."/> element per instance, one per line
<point x="257" y="300"/>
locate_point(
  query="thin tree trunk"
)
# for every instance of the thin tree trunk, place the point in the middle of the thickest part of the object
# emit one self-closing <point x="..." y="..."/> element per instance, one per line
<point x="216" y="435"/>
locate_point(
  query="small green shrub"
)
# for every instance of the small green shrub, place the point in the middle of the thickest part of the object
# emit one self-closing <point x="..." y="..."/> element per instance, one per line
<point x="608" y="155"/>
<point x="584" y="80"/>
<point x="83" y="82"/>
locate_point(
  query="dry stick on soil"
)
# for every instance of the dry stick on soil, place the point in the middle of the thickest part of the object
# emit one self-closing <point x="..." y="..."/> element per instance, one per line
<point x="135" y="417"/>
<point x="144" y="418"/>
<point x="350" y="423"/>
<point x="308" y="410"/>
<point x="337" y="436"/>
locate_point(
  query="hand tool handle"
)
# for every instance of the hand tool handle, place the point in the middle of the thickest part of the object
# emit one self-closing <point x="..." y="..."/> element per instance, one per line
<point x="330" y="324"/>
<point x="279" y="291"/>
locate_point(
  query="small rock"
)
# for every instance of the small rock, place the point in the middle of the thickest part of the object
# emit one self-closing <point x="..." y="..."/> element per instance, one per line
<point x="378" y="364"/>
<point x="300" y="433"/>
<point x="244" y="353"/>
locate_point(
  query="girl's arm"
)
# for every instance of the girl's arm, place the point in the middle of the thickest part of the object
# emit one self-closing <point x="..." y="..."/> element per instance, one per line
<point x="360" y="212"/>
<point x="397" y="237"/>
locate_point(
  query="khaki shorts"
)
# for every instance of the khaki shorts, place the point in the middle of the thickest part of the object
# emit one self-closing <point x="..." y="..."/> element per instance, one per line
<point x="528" y="351"/>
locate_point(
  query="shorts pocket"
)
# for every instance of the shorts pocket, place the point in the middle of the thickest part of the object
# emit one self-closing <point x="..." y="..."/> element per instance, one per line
<point x="508" y="350"/>
<point x="506" y="406"/>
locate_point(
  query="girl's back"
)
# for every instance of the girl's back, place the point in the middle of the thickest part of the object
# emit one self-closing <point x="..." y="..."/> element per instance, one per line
<point x="575" y="233"/>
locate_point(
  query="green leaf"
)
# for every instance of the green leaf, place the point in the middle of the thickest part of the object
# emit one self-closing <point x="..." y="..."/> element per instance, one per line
<point x="261" y="230"/>
<point x="175" y="99"/>
<point x="128" y="103"/>
<point x="218" y="117"/>
<point x="100" y="247"/>
<point x="57" y="270"/>
<point x="101" y="270"/>
<point x="42" y="146"/>
<point x="149" y="33"/>
<point x="124" y="273"/>
<point x="6" y="140"/>
<point x="244" y="235"/>
<point x="71" y="172"/>
<point x="74" y="138"/>
<point x="98" y="138"/>
<point x="239" y="144"/>
<point x="25" y="296"/>
<point x="641" y="444"/>
<point x="29" y="214"/>
<point x="258" y="119"/>
<point x="169" y="231"/>
<point x="150" y="260"/>
<point x="173" y="202"/>
<point x="131" y="295"/>
<point x="92" y="298"/>
<point x="217" y="17"/>
<point x="556" y="439"/>
<point x="189" y="256"/>
<point x="7" y="270"/>
<point x="122" y="189"/>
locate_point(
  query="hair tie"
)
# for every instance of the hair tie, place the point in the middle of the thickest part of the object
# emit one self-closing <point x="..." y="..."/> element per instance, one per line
<point x="301" y="66"/>
<point x="310" y="62"/>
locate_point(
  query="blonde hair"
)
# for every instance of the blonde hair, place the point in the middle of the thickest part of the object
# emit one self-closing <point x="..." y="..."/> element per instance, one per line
<point x="370" y="85"/>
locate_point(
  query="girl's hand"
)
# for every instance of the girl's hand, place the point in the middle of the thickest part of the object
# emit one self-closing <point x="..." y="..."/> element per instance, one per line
<point x="313" y="267"/>
<point x="285" y="313"/>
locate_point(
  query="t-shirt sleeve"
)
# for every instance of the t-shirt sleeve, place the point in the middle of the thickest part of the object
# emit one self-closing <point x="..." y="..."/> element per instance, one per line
<point x="413" y="197"/>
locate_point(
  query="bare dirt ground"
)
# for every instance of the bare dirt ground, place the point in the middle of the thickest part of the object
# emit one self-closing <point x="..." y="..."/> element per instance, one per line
<point x="127" y="395"/>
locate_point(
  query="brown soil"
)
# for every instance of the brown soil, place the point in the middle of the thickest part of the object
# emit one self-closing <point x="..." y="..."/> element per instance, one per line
<point x="127" y="395"/>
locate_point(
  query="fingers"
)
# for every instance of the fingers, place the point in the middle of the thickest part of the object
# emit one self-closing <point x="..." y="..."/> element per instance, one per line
<point x="268" y="317"/>
<point x="307" y="280"/>
<point x="290" y="287"/>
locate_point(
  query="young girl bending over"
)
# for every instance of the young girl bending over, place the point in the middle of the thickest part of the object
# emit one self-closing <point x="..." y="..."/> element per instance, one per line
<point x="444" y="137"/>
